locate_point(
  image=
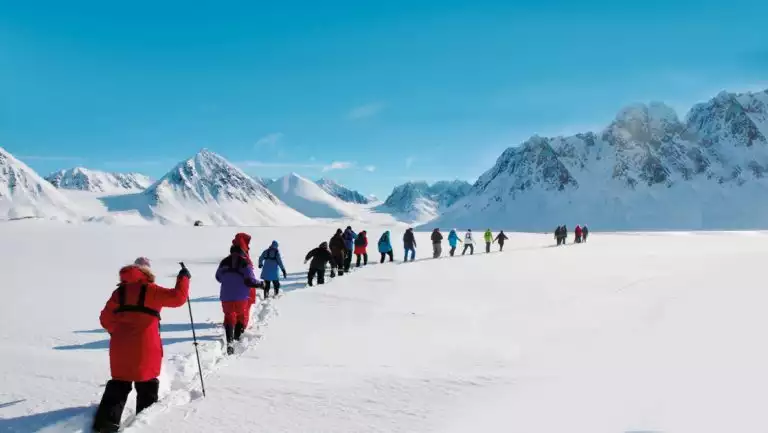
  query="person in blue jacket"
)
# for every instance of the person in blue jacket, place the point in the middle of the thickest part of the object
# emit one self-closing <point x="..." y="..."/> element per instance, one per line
<point x="385" y="247"/>
<point x="349" y="237"/>
<point x="270" y="263"/>
<point x="453" y="241"/>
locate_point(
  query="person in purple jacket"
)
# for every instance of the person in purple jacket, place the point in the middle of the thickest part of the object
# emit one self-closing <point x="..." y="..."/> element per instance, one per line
<point x="238" y="282"/>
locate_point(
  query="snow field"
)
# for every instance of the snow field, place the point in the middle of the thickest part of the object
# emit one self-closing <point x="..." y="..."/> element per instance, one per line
<point x="630" y="332"/>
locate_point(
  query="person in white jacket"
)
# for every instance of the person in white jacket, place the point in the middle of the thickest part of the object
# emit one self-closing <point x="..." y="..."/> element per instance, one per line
<point x="469" y="243"/>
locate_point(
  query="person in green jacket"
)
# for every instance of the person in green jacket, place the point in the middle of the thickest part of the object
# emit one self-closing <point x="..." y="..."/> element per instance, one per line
<point x="488" y="240"/>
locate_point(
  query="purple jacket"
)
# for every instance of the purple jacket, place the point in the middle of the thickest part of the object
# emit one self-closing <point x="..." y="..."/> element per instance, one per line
<point x="235" y="273"/>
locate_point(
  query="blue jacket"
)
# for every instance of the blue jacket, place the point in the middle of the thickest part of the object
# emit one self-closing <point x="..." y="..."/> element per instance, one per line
<point x="271" y="263"/>
<point x="385" y="245"/>
<point x="349" y="239"/>
<point x="235" y="273"/>
<point x="453" y="239"/>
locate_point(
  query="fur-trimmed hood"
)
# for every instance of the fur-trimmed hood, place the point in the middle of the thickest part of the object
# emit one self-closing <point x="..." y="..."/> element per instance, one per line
<point x="136" y="274"/>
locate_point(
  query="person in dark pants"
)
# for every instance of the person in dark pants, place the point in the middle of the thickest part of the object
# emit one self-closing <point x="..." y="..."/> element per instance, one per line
<point x="361" y="248"/>
<point x="339" y="251"/>
<point x="349" y="237"/>
<point x="270" y="263"/>
<point x="131" y="316"/>
<point x="564" y="234"/>
<point x="469" y="243"/>
<point x="501" y="238"/>
<point x="385" y="247"/>
<point x="409" y="244"/>
<point x="437" y="243"/>
<point x="453" y="241"/>
<point x="584" y="233"/>
<point x="320" y="257"/>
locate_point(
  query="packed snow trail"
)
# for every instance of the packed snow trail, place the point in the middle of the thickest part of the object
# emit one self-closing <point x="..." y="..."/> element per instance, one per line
<point x="629" y="332"/>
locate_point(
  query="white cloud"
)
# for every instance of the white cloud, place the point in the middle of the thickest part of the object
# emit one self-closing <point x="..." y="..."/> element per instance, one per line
<point x="365" y="111"/>
<point x="279" y="164"/>
<point x="409" y="161"/>
<point x="370" y="168"/>
<point x="338" y="165"/>
<point x="269" y="139"/>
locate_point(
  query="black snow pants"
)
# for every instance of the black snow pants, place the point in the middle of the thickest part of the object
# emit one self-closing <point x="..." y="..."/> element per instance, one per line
<point x="453" y="251"/>
<point x="384" y="255"/>
<point x="347" y="262"/>
<point x="110" y="409"/>
<point x="268" y="284"/>
<point x="339" y="259"/>
<point x="320" y="276"/>
<point x="363" y="256"/>
<point x="487" y="247"/>
<point x="501" y="245"/>
<point x="469" y="247"/>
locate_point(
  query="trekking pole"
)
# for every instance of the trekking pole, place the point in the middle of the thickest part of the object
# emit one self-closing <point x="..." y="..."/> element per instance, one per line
<point x="194" y="339"/>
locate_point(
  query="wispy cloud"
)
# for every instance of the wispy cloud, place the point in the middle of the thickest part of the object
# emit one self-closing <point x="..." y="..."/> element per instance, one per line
<point x="370" y="168"/>
<point x="338" y="165"/>
<point x="269" y="139"/>
<point x="409" y="161"/>
<point x="50" y="158"/>
<point x="365" y="111"/>
<point x="263" y="164"/>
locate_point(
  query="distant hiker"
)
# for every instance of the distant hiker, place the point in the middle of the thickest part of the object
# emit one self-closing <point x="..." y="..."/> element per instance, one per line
<point x="409" y="244"/>
<point x="271" y="263"/>
<point x="437" y="243"/>
<point x="564" y="235"/>
<point x="131" y="316"/>
<point x="238" y="289"/>
<point x="577" y="232"/>
<point x="557" y="235"/>
<point x="361" y="247"/>
<point x="584" y="233"/>
<point x="488" y="236"/>
<point x="469" y="243"/>
<point x="453" y="240"/>
<point x="385" y="247"/>
<point x="349" y="243"/>
<point x="339" y="251"/>
<point x="501" y="238"/>
<point x="320" y="257"/>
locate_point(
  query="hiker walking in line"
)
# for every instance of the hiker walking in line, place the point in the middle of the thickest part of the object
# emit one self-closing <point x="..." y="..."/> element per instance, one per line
<point x="469" y="243"/>
<point x="320" y="257"/>
<point x="501" y="238"/>
<point x="437" y="243"/>
<point x="488" y="236"/>
<point x="409" y="243"/>
<point x="385" y="247"/>
<point x="361" y="248"/>
<point x="271" y="263"/>
<point x="453" y="240"/>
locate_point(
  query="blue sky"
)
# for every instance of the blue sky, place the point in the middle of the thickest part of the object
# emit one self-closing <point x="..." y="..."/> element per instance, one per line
<point x="369" y="93"/>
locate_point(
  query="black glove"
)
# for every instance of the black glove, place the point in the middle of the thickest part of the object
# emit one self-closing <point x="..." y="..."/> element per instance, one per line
<point x="261" y="265"/>
<point x="184" y="272"/>
<point x="285" y="276"/>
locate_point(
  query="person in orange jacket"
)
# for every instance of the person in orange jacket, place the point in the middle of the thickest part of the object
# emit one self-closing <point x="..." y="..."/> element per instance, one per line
<point x="131" y="316"/>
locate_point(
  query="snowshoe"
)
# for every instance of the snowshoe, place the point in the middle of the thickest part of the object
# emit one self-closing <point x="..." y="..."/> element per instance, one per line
<point x="230" y="349"/>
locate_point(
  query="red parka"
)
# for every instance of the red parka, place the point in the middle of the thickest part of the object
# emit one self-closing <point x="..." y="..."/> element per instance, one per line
<point x="361" y="243"/>
<point x="243" y="241"/>
<point x="578" y="231"/>
<point x="135" y="348"/>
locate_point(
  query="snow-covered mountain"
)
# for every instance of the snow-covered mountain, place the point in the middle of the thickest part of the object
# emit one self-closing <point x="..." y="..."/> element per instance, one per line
<point x="310" y="199"/>
<point x="24" y="194"/>
<point x="210" y="189"/>
<point x="420" y="202"/>
<point x="646" y="170"/>
<point x="341" y="192"/>
<point x="83" y="179"/>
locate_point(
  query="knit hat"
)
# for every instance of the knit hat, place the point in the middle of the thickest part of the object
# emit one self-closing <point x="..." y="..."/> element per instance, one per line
<point x="143" y="262"/>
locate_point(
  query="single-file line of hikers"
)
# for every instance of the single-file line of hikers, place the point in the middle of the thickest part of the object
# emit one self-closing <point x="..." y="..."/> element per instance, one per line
<point x="132" y="313"/>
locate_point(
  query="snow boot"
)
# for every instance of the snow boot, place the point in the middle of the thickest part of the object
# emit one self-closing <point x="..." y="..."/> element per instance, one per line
<point x="107" y="418"/>
<point x="239" y="329"/>
<point x="229" y="331"/>
<point x="146" y="394"/>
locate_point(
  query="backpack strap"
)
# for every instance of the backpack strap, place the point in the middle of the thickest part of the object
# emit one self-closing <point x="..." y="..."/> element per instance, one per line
<point x="139" y="307"/>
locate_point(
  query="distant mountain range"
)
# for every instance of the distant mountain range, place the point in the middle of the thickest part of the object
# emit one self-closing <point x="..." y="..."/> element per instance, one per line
<point x="83" y="179"/>
<point x="646" y="170"/>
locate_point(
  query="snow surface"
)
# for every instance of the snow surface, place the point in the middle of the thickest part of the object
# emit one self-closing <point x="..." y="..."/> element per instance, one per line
<point x="629" y="333"/>
<point x="84" y="179"/>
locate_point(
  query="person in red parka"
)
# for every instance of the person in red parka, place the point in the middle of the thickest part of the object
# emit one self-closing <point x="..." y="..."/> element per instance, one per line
<point x="578" y="232"/>
<point x="361" y="248"/>
<point x="132" y="318"/>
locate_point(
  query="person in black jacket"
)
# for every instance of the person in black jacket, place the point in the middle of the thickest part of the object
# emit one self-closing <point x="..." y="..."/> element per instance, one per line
<point x="320" y="257"/>
<point x="584" y="233"/>
<point x="437" y="243"/>
<point x="501" y="238"/>
<point x="339" y="251"/>
<point x="409" y="242"/>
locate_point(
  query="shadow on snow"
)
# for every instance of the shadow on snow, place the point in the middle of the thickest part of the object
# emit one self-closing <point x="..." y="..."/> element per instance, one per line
<point x="104" y="344"/>
<point x="164" y="327"/>
<point x="39" y="421"/>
